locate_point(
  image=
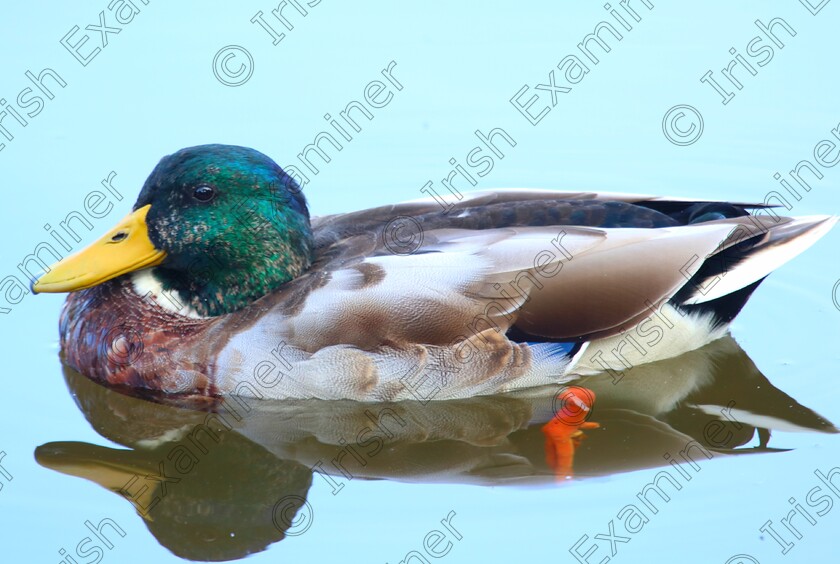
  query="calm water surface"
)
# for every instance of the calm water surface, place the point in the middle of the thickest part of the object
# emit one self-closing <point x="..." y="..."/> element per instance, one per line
<point x="733" y="434"/>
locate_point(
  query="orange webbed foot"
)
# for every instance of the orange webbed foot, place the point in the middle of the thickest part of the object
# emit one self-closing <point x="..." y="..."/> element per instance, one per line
<point x="564" y="432"/>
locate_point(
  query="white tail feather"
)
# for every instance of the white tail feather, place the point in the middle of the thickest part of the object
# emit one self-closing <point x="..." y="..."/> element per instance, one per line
<point x="782" y="244"/>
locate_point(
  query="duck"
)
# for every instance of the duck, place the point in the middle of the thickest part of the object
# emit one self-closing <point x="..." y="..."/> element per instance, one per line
<point x="219" y="283"/>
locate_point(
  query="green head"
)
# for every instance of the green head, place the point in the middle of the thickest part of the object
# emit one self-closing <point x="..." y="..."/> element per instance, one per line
<point x="220" y="225"/>
<point x="233" y="225"/>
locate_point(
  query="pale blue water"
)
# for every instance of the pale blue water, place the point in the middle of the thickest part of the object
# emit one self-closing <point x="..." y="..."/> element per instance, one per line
<point x="152" y="90"/>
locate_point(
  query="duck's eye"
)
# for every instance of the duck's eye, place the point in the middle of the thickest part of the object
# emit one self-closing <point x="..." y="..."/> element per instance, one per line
<point x="204" y="193"/>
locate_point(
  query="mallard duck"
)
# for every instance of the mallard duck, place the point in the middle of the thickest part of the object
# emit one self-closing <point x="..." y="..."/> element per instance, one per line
<point x="218" y="283"/>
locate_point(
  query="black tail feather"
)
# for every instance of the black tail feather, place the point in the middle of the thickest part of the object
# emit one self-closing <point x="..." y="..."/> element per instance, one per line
<point x="725" y="308"/>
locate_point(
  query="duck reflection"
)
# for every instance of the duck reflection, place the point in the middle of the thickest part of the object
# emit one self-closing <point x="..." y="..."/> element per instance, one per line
<point x="221" y="480"/>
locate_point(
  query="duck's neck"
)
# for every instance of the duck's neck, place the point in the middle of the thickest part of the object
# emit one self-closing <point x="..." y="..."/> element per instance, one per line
<point x="208" y="287"/>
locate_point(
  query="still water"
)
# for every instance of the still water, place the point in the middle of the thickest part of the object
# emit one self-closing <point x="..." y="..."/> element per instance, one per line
<point x="738" y="436"/>
<point x="230" y="481"/>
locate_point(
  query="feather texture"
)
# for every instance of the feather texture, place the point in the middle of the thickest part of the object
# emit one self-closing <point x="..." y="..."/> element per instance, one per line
<point x="572" y="274"/>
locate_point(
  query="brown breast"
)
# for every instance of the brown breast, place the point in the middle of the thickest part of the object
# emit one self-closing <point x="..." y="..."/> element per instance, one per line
<point x="111" y="335"/>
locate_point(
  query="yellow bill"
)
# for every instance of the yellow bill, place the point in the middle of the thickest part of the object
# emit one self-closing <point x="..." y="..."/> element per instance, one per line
<point x="123" y="249"/>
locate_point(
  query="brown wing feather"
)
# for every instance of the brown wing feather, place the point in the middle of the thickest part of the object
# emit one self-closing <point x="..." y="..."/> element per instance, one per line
<point x="600" y="291"/>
